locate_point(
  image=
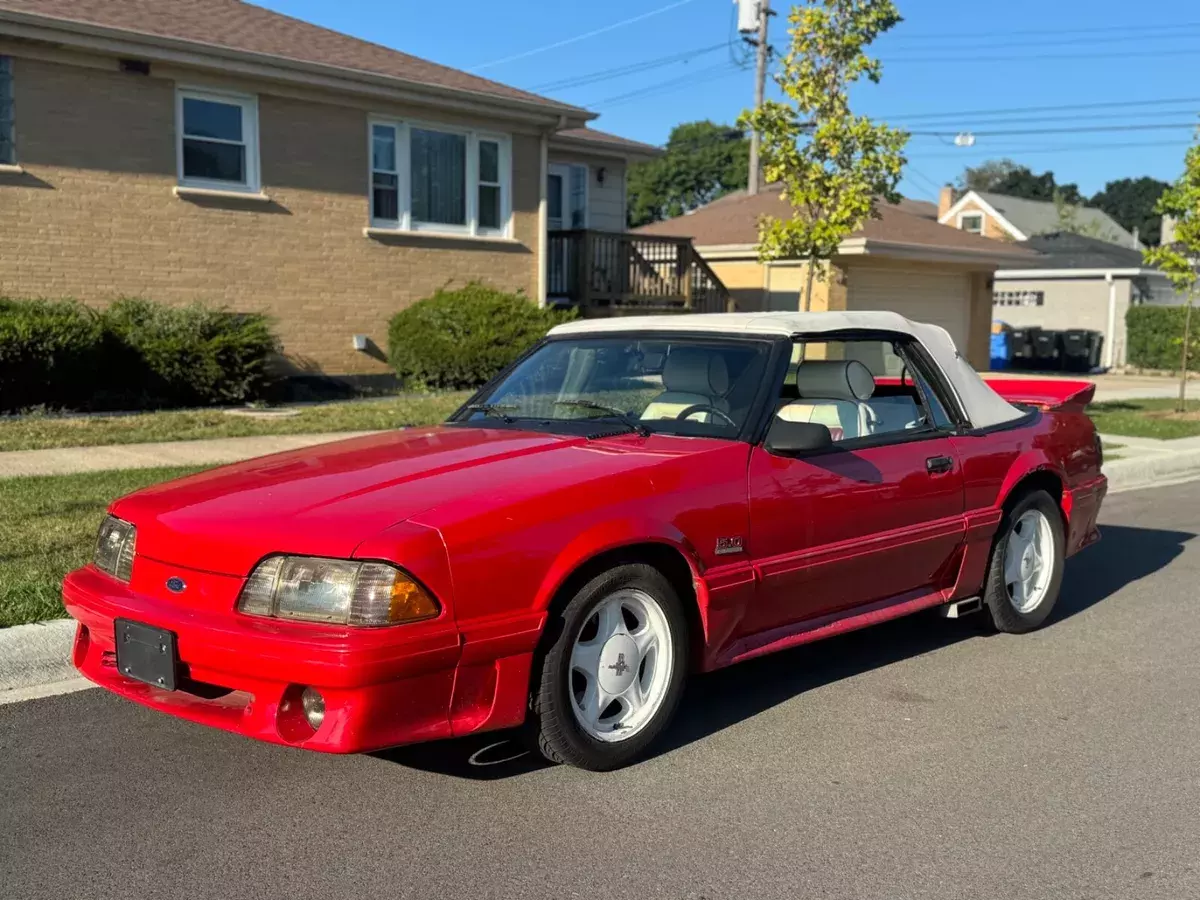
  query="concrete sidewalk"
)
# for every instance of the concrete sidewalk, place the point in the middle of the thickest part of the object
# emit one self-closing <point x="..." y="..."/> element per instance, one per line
<point x="67" y="460"/>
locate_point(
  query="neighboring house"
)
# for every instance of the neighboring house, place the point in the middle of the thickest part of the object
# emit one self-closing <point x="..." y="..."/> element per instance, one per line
<point x="1017" y="219"/>
<point x="1080" y="282"/>
<point x="903" y="261"/>
<point x="213" y="150"/>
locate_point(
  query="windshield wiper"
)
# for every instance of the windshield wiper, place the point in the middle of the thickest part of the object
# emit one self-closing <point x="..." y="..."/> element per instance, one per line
<point x="634" y="424"/>
<point x="499" y="410"/>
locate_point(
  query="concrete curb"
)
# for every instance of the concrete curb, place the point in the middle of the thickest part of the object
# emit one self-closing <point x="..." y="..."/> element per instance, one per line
<point x="36" y="658"/>
<point x="1152" y="470"/>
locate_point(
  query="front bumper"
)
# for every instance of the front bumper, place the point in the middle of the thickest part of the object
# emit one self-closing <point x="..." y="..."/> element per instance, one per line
<point x="382" y="686"/>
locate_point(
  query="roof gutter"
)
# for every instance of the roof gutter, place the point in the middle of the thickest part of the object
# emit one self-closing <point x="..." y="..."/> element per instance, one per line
<point x="627" y="151"/>
<point x="103" y="39"/>
<point x="1014" y="274"/>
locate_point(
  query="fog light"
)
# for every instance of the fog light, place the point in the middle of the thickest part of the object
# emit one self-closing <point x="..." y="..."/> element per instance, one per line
<point x="314" y="707"/>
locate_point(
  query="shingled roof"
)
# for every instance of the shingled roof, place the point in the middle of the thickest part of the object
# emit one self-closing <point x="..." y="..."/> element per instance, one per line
<point x="733" y="220"/>
<point x="240" y="26"/>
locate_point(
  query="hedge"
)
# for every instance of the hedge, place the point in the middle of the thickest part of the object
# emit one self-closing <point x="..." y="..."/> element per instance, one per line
<point x="50" y="354"/>
<point x="461" y="338"/>
<point x="1155" y="337"/>
<point x="135" y="354"/>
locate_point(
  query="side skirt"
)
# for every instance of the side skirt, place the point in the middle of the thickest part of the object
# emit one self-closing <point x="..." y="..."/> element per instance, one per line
<point x="829" y="625"/>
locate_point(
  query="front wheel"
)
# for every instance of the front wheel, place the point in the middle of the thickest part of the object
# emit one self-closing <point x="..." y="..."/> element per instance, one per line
<point x="611" y="679"/>
<point x="1026" y="570"/>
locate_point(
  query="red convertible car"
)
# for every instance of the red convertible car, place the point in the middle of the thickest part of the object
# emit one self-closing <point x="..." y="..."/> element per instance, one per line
<point x="633" y="500"/>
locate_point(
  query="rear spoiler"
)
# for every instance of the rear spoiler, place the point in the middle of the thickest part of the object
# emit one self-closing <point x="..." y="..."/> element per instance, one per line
<point x="1045" y="393"/>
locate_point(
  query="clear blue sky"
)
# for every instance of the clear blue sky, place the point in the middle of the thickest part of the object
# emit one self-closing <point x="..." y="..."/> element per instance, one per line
<point x="948" y="56"/>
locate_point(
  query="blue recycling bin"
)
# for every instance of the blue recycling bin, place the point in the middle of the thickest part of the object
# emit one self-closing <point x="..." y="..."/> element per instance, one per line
<point x="1001" y="350"/>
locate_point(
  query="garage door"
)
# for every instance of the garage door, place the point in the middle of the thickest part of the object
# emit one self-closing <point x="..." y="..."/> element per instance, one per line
<point x="940" y="298"/>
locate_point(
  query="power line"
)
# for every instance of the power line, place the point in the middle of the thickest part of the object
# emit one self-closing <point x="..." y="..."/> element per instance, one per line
<point x="582" y="37"/>
<point x="1055" y="57"/>
<point x="1123" y="29"/>
<point x="1033" y="151"/>
<point x="1063" y="107"/>
<point x="969" y="124"/>
<point x="630" y="69"/>
<point x="709" y="73"/>
<point x="1154" y="126"/>
<point x="981" y="42"/>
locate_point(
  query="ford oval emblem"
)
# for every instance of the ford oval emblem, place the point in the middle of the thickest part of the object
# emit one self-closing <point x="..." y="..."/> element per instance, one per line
<point x="176" y="585"/>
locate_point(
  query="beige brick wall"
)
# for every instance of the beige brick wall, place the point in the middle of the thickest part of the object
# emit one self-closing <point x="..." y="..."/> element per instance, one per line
<point x="94" y="217"/>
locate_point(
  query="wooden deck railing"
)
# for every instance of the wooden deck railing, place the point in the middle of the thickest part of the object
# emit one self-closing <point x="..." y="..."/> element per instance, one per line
<point x="616" y="273"/>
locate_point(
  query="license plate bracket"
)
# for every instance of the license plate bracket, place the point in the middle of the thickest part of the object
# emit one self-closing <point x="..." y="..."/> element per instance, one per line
<point x="146" y="653"/>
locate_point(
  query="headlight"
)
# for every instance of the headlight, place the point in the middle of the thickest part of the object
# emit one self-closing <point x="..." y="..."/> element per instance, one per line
<point x="334" y="590"/>
<point x="114" y="548"/>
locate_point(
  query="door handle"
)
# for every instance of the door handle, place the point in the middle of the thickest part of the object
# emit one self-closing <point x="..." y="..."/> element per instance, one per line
<point x="936" y="465"/>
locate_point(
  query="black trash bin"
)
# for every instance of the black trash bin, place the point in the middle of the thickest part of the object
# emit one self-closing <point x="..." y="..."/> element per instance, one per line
<point x="1021" y="347"/>
<point x="1081" y="349"/>
<point x="1048" y="349"/>
<point x="1077" y="350"/>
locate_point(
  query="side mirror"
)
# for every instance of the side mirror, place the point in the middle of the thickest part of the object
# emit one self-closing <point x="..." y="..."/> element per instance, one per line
<point x="793" y="438"/>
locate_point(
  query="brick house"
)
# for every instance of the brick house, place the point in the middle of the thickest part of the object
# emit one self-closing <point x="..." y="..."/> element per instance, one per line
<point x="216" y="151"/>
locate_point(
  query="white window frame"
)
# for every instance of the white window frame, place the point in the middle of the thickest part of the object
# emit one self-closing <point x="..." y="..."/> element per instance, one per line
<point x="404" y="221"/>
<point x="968" y="213"/>
<point x="249" y="107"/>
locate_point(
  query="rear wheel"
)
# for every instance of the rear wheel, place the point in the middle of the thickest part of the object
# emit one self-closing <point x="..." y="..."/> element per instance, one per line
<point x="611" y="680"/>
<point x="1026" y="569"/>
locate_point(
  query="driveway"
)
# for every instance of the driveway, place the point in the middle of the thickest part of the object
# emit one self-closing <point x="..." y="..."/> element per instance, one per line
<point x="916" y="759"/>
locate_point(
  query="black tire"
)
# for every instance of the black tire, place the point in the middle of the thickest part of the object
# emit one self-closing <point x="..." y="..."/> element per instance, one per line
<point x="1003" y="614"/>
<point x="552" y="724"/>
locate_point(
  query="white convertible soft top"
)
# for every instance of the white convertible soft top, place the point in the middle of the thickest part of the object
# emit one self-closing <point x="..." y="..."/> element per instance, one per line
<point x="983" y="406"/>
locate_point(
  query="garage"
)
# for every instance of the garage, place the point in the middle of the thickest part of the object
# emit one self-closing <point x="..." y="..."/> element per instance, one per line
<point x="901" y="260"/>
<point x="938" y="297"/>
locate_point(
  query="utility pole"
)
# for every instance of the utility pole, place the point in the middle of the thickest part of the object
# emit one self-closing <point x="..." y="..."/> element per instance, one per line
<point x="760" y="85"/>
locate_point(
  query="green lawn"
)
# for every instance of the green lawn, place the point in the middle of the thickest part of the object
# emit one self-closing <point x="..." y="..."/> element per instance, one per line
<point x="1152" y="418"/>
<point x="48" y="527"/>
<point x="36" y="432"/>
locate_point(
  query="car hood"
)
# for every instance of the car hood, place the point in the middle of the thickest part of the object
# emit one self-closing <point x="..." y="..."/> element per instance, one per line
<point x="328" y="499"/>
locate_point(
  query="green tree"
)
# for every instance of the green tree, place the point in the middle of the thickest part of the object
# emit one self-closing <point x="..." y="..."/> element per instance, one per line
<point x="1179" y="261"/>
<point x="1068" y="220"/>
<point x="833" y="166"/>
<point x="1131" y="201"/>
<point x="702" y="162"/>
<point x="1003" y="176"/>
<point x="986" y="175"/>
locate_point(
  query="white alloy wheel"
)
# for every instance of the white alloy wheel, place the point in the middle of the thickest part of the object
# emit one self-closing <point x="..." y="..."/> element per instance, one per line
<point x="1029" y="561"/>
<point x="621" y="662"/>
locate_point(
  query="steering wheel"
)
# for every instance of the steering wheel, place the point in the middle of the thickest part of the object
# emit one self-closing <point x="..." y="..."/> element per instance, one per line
<point x="704" y="407"/>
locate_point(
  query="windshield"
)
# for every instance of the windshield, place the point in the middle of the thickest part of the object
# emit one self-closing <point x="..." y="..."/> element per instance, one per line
<point x="693" y="386"/>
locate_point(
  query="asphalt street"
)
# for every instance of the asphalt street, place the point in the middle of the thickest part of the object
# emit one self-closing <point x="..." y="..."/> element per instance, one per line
<point x="917" y="759"/>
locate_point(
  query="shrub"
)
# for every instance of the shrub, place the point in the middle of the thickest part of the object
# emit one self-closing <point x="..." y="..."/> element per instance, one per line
<point x="461" y="338"/>
<point x="1155" y="337"/>
<point x="50" y="353"/>
<point x="135" y="354"/>
<point x="192" y="355"/>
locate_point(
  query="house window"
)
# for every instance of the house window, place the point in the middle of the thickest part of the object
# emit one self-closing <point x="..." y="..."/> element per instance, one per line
<point x="972" y="222"/>
<point x="435" y="179"/>
<point x="218" y="141"/>
<point x="8" y="150"/>
<point x="1019" y="298"/>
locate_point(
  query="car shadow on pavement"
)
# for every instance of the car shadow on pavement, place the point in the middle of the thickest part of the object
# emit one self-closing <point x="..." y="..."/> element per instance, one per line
<point x="719" y="700"/>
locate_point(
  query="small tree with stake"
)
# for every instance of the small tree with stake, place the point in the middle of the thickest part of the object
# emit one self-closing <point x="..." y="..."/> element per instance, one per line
<point x="833" y="166"/>
<point x="1178" y="260"/>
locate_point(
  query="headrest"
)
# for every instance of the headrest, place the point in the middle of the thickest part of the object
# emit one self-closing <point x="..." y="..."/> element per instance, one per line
<point x="690" y="370"/>
<point x="834" y="379"/>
